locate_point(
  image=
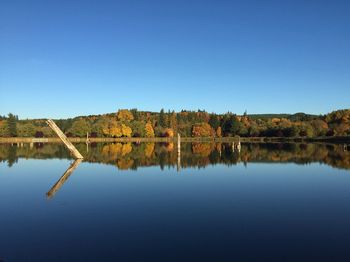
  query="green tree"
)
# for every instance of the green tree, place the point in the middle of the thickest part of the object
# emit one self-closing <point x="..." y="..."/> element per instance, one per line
<point x="219" y="132"/>
<point x="306" y="130"/>
<point x="4" y="129"/>
<point x="138" y="128"/>
<point x="214" y="121"/>
<point x="80" y="128"/>
<point x="135" y="113"/>
<point x="254" y="130"/>
<point x="227" y="120"/>
<point x="12" y="124"/>
<point x="161" y="118"/>
<point x="98" y="127"/>
<point x="292" y="131"/>
<point x="25" y="130"/>
<point x="236" y="126"/>
<point x="159" y="131"/>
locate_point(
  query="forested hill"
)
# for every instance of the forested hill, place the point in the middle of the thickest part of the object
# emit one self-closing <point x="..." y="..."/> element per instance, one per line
<point x="134" y="123"/>
<point x="292" y="117"/>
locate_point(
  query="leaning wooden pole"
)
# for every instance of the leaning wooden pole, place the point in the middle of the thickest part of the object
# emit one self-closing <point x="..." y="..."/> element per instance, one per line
<point x="64" y="139"/>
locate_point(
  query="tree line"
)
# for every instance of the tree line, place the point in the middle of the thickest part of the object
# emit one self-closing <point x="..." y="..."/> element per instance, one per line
<point x="135" y="123"/>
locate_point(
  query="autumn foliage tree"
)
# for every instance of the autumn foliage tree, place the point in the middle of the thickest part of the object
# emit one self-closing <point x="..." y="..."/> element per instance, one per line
<point x="202" y="130"/>
<point x="126" y="131"/>
<point x="127" y="123"/>
<point x="125" y="115"/>
<point x="168" y="132"/>
<point x="149" y="131"/>
<point x="111" y="128"/>
<point x="115" y="130"/>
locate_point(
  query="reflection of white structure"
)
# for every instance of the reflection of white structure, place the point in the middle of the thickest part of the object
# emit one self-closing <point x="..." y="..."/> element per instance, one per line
<point x="87" y="142"/>
<point x="239" y="146"/>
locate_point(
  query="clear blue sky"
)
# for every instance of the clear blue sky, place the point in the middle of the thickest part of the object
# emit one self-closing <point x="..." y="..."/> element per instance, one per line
<point x="68" y="58"/>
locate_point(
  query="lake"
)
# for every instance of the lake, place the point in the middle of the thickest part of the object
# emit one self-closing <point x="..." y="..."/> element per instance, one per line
<point x="146" y="202"/>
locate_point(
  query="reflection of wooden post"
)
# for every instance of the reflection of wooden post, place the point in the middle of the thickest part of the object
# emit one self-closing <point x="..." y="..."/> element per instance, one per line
<point x="63" y="178"/>
<point x="178" y="152"/>
<point x="87" y="142"/>
<point x="64" y="139"/>
<point x="239" y="146"/>
<point x="233" y="147"/>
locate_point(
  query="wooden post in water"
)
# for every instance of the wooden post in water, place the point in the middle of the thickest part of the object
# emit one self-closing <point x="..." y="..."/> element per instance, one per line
<point x="64" y="139"/>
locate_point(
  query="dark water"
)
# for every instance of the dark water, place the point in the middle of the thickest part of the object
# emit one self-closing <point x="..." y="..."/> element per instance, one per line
<point x="129" y="202"/>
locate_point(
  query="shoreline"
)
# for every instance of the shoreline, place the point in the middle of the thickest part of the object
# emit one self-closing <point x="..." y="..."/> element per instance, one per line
<point x="333" y="140"/>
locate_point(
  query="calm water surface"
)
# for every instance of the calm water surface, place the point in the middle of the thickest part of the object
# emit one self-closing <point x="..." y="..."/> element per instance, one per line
<point x="144" y="202"/>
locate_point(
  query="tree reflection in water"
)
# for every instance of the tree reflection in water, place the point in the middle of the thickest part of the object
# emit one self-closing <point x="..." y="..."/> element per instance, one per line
<point x="133" y="155"/>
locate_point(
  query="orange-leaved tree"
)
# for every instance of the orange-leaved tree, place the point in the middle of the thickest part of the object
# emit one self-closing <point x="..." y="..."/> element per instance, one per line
<point x="202" y="130"/>
<point x="149" y="130"/>
<point x="126" y="131"/>
<point x="125" y="115"/>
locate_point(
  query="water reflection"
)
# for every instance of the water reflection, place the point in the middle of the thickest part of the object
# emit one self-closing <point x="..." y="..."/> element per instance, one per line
<point x="51" y="193"/>
<point x="133" y="155"/>
<point x="207" y="212"/>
